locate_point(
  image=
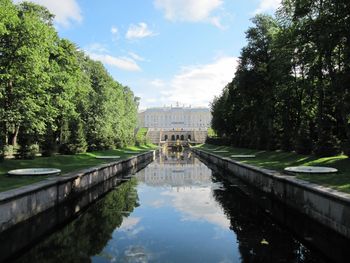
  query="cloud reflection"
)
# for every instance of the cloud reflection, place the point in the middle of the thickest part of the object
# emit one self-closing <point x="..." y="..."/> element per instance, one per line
<point x="198" y="204"/>
<point x="129" y="223"/>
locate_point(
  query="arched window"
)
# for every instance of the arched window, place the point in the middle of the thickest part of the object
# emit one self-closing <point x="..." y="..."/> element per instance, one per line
<point x="177" y="137"/>
<point x="173" y="137"/>
<point x="182" y="137"/>
<point x="165" y="137"/>
<point x="189" y="136"/>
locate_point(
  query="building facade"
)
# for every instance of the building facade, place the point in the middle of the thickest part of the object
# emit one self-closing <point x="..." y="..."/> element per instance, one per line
<point x="174" y="118"/>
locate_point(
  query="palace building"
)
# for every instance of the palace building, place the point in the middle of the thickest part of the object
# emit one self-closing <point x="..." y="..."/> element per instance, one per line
<point x="170" y="124"/>
<point x="186" y="118"/>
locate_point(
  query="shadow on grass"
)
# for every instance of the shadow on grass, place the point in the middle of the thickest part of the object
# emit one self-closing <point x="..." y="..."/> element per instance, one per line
<point x="67" y="163"/>
<point x="277" y="160"/>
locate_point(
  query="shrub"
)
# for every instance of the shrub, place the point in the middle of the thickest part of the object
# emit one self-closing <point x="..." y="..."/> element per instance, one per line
<point x="346" y="147"/>
<point x="303" y="145"/>
<point x="49" y="145"/>
<point x="327" y="145"/>
<point x="2" y="154"/>
<point x="70" y="148"/>
<point x="303" y="142"/>
<point x="8" y="150"/>
<point x="220" y="141"/>
<point x="25" y="150"/>
<point x="140" y="137"/>
<point x="75" y="141"/>
<point x="33" y="150"/>
<point x="28" y="151"/>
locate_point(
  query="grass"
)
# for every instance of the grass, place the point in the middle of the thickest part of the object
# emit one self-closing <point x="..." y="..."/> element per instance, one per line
<point x="278" y="160"/>
<point x="67" y="163"/>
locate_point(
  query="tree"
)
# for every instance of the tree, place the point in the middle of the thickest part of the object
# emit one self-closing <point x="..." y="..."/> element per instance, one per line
<point x="52" y="94"/>
<point x="25" y="50"/>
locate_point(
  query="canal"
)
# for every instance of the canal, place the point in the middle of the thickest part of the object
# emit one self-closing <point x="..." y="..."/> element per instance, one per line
<point x="176" y="209"/>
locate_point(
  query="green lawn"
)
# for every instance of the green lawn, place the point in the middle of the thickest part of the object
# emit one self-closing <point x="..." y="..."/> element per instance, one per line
<point x="67" y="163"/>
<point x="278" y="160"/>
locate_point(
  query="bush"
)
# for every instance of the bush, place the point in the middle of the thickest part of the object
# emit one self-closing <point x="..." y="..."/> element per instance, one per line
<point x="140" y="137"/>
<point x="303" y="145"/>
<point x="220" y="141"/>
<point x="49" y="147"/>
<point x="327" y="145"/>
<point x="346" y="147"/>
<point x="303" y="142"/>
<point x="8" y="150"/>
<point x="2" y="154"/>
<point x="69" y="148"/>
<point x="272" y="143"/>
<point x="33" y="150"/>
<point x="75" y="142"/>
<point x="26" y="150"/>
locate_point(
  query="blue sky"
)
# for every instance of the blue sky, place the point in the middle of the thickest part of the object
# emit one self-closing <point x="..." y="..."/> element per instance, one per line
<point x="167" y="51"/>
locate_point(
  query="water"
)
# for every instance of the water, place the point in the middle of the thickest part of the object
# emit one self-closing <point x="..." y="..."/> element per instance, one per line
<point x="179" y="210"/>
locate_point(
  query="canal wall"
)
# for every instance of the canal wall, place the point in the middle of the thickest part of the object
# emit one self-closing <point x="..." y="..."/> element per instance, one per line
<point x="324" y="205"/>
<point x="20" y="204"/>
<point x="18" y="239"/>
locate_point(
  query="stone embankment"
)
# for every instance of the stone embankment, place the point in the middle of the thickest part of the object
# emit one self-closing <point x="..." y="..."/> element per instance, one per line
<point x="20" y="204"/>
<point x="329" y="207"/>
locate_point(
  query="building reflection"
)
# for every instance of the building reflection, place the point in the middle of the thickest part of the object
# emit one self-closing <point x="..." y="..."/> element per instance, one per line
<point x="175" y="169"/>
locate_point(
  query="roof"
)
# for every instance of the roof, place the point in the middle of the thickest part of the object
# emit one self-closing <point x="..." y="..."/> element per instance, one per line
<point x="169" y="109"/>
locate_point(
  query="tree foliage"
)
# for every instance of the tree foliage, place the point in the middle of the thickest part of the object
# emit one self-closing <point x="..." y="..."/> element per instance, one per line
<point x="54" y="94"/>
<point x="291" y="89"/>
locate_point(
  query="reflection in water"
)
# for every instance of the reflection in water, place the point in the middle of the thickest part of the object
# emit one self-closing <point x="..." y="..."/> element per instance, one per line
<point x="259" y="238"/>
<point x="175" y="170"/>
<point x="88" y="234"/>
<point x="175" y="210"/>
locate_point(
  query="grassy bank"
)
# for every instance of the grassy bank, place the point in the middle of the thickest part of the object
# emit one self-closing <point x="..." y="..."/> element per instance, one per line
<point x="277" y="160"/>
<point x="67" y="163"/>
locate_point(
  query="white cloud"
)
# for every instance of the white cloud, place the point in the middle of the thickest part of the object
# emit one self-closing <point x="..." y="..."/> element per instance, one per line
<point x="114" y="30"/>
<point x="216" y="21"/>
<point x="189" y="10"/>
<point x="96" y="48"/>
<point x="115" y="33"/>
<point x="197" y="85"/>
<point x="135" y="56"/>
<point x="140" y="30"/>
<point x="98" y="51"/>
<point x="157" y="83"/>
<point x="123" y="63"/>
<point x="65" y="11"/>
<point x="267" y="5"/>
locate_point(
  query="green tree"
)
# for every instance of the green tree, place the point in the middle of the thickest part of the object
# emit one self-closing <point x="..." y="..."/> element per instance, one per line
<point x="25" y="49"/>
<point x="52" y="94"/>
<point x="291" y="89"/>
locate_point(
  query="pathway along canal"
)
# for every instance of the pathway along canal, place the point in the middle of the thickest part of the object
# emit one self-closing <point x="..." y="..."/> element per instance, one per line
<point x="178" y="210"/>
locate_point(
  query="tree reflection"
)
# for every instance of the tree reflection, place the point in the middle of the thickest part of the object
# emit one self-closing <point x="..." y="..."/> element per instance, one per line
<point x="259" y="238"/>
<point x="89" y="233"/>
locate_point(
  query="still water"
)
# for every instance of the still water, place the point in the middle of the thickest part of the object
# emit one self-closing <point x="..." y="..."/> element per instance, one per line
<point x="175" y="210"/>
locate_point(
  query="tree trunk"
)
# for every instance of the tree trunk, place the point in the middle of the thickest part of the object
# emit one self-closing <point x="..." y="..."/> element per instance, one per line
<point x="15" y="136"/>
